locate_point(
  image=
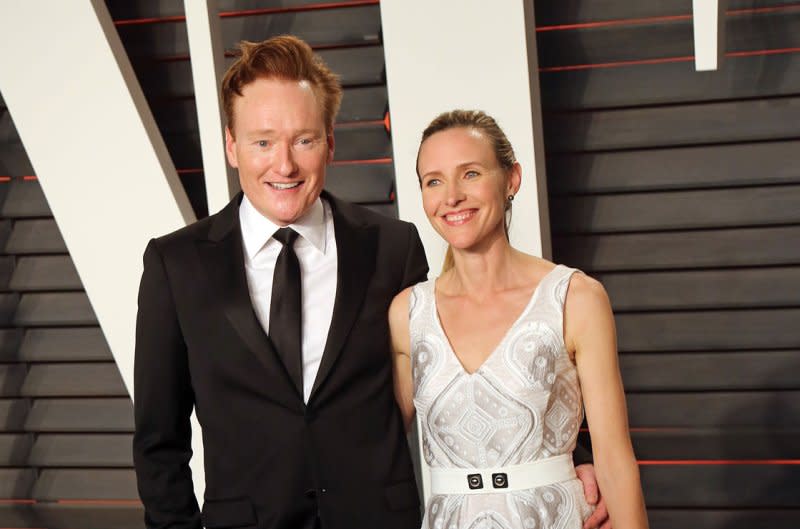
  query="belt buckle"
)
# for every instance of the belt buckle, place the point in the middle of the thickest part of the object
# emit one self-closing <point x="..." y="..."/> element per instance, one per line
<point x="475" y="481"/>
<point x="500" y="480"/>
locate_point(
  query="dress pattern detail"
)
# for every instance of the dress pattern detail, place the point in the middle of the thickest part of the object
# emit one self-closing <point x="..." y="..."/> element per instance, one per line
<point x="523" y="404"/>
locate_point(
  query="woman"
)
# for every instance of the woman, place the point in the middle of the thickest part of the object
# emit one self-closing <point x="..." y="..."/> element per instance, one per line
<point x="494" y="354"/>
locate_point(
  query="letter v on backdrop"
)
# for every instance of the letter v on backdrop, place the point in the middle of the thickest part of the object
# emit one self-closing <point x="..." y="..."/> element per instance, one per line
<point x="96" y="149"/>
<point x="97" y="152"/>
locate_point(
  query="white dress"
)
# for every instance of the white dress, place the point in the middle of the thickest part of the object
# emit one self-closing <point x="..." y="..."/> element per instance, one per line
<point x="523" y="404"/>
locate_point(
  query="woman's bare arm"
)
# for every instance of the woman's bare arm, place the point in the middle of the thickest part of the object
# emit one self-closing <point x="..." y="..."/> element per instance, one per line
<point x="591" y="334"/>
<point x="401" y="355"/>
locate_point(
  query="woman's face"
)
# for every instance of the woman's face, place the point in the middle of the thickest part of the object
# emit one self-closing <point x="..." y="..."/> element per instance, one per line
<point x="464" y="187"/>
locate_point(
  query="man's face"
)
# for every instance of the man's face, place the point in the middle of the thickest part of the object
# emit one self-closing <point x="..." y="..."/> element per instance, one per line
<point x="280" y="147"/>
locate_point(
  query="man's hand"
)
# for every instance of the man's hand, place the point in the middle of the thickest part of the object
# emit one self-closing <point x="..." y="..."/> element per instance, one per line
<point x="599" y="518"/>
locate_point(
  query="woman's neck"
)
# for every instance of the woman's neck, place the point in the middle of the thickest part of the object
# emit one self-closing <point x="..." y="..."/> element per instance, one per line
<point x="481" y="272"/>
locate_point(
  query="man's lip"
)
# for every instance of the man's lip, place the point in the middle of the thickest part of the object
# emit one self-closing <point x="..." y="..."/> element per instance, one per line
<point x="272" y="186"/>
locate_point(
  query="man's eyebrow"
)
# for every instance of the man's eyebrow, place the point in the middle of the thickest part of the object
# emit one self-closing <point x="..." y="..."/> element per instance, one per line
<point x="269" y="132"/>
<point x="259" y="132"/>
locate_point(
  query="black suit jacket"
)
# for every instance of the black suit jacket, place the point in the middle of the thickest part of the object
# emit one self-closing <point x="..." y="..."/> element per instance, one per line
<point x="271" y="461"/>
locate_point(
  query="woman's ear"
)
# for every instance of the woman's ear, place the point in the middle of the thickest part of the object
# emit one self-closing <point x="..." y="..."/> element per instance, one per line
<point x="514" y="179"/>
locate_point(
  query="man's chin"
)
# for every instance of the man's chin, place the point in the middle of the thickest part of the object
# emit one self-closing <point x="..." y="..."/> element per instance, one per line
<point x="287" y="215"/>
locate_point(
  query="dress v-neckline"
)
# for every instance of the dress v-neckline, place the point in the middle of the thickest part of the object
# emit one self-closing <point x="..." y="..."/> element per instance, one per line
<point x="525" y="310"/>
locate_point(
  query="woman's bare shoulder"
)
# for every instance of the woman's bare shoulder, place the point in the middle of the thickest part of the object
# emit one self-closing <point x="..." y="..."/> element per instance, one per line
<point x="587" y="305"/>
<point x="401" y="300"/>
<point x="535" y="267"/>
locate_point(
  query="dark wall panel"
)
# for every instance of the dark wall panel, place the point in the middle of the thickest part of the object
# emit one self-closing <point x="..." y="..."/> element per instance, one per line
<point x="723" y="519"/>
<point x="723" y="330"/>
<point x="722" y="486"/>
<point x="639" y="212"/>
<point x="638" y="128"/>
<point x="775" y="74"/>
<point x="779" y="410"/>
<point x="746" y="370"/>
<point x="681" y="249"/>
<point x="704" y="289"/>
<point x="603" y="44"/>
<point x="710" y="444"/>
<point x="567" y="12"/>
<point x="681" y="168"/>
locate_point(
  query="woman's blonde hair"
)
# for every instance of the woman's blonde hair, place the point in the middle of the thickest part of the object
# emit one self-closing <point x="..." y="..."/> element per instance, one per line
<point x="486" y="125"/>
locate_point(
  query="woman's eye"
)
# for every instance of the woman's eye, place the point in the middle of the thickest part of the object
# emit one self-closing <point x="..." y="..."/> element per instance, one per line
<point x="471" y="174"/>
<point x="432" y="182"/>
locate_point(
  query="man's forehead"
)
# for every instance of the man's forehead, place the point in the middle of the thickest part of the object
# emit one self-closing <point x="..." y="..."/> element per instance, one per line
<point x="305" y="84"/>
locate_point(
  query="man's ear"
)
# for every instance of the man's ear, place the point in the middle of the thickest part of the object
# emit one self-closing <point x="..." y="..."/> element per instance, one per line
<point x="230" y="148"/>
<point x="331" y="145"/>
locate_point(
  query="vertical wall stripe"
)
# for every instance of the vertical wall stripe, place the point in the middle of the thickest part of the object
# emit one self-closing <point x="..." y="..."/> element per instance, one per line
<point x="208" y="68"/>
<point x="709" y="33"/>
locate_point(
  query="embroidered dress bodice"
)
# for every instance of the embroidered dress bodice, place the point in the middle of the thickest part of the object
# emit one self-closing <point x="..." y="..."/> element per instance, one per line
<point x="522" y="405"/>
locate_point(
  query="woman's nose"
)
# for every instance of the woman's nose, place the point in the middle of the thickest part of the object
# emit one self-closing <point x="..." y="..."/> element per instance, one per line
<point x="454" y="193"/>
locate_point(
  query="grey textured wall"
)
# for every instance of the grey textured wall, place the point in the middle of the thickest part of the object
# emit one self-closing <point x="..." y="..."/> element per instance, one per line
<point x="680" y="191"/>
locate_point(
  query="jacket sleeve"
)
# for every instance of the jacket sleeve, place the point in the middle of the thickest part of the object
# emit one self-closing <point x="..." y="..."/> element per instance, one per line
<point x="583" y="451"/>
<point x="163" y="401"/>
<point x="416" y="266"/>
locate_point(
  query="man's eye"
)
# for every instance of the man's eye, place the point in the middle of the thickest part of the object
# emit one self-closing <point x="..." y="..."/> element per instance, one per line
<point x="471" y="174"/>
<point x="262" y="143"/>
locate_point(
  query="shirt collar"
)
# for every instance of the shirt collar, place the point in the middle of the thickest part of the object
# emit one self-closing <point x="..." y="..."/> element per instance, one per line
<point x="257" y="229"/>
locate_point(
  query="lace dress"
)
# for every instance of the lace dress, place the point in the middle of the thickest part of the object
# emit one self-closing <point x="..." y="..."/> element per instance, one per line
<point x="523" y="404"/>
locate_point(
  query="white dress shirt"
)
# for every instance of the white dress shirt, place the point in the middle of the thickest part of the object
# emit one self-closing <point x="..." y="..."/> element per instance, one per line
<point x="316" y="251"/>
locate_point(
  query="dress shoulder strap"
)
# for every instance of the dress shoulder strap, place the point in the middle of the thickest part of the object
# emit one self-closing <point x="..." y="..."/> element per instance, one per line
<point x="561" y="280"/>
<point x="552" y="292"/>
<point x="421" y="298"/>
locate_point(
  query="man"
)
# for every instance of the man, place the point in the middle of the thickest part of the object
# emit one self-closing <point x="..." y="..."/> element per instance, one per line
<point x="277" y="337"/>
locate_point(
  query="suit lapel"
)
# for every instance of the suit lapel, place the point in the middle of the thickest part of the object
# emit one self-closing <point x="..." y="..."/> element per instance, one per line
<point x="223" y="257"/>
<point x="356" y="245"/>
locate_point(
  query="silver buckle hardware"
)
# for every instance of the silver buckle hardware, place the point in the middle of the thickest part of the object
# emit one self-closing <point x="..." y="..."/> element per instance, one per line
<point x="475" y="481"/>
<point x="500" y="480"/>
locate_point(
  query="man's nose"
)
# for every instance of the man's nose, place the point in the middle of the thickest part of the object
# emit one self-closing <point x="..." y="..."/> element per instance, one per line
<point x="283" y="162"/>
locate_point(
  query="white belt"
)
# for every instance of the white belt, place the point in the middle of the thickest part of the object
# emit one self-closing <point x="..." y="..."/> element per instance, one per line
<point x="502" y="479"/>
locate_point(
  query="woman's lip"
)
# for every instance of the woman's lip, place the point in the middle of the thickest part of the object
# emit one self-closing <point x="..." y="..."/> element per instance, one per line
<point x="455" y="218"/>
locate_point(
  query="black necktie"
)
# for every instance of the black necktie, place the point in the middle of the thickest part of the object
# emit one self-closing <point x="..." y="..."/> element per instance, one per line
<point x="285" y="312"/>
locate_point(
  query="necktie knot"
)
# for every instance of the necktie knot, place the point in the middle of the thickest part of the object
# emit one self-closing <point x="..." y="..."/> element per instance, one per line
<point x="286" y="236"/>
